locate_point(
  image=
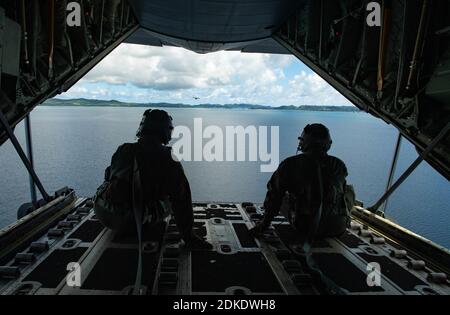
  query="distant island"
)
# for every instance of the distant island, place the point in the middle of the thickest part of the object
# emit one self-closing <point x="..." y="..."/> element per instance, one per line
<point x="114" y="103"/>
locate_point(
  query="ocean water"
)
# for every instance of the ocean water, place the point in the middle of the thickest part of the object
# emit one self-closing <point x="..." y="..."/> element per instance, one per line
<point x="73" y="146"/>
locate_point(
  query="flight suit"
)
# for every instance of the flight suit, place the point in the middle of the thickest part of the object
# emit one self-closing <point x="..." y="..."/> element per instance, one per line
<point x="295" y="186"/>
<point x="162" y="179"/>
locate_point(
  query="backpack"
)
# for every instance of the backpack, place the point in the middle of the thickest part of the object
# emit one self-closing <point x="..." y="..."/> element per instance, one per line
<point x="113" y="204"/>
<point x="336" y="202"/>
<point x="121" y="193"/>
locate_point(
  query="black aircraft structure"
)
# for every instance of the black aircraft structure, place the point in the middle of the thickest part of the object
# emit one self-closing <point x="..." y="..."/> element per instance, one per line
<point x="390" y="58"/>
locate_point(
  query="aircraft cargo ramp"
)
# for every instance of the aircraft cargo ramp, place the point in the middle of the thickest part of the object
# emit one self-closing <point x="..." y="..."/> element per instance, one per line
<point x="238" y="264"/>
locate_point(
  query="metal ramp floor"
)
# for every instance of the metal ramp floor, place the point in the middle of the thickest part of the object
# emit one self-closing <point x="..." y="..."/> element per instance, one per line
<point x="237" y="265"/>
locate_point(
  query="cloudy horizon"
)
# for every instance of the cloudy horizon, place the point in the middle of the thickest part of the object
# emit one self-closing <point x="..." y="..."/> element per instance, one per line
<point x="144" y="74"/>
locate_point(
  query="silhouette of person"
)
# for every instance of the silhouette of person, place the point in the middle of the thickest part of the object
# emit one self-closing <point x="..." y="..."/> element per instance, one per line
<point x="163" y="180"/>
<point x="308" y="182"/>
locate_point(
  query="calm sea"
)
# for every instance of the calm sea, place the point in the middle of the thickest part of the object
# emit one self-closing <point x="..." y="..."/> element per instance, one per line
<point x="73" y="146"/>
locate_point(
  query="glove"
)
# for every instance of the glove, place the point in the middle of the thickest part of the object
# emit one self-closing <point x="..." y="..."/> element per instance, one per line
<point x="259" y="228"/>
<point x="194" y="242"/>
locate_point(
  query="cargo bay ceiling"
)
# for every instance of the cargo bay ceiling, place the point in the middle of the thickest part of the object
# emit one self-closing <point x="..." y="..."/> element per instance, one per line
<point x="398" y="71"/>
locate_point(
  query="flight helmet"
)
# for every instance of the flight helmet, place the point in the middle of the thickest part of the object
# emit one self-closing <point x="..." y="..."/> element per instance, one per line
<point x="156" y="122"/>
<point x="315" y="138"/>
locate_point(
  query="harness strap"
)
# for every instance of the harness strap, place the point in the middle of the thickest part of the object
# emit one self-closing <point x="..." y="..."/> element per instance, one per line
<point x="330" y="286"/>
<point x="138" y="214"/>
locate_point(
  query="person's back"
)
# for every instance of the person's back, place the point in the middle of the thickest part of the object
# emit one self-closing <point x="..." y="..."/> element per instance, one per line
<point x="164" y="185"/>
<point x="164" y="179"/>
<point x="309" y="181"/>
<point x="299" y="177"/>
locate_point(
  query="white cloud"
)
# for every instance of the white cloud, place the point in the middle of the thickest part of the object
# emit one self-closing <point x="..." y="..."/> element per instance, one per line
<point x="171" y="68"/>
<point x="310" y="88"/>
<point x="152" y="74"/>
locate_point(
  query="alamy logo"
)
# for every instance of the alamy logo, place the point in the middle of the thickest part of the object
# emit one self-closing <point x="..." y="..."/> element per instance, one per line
<point x="235" y="143"/>
<point x="73" y="14"/>
<point x="373" y="18"/>
<point x="374" y="275"/>
<point x="73" y="278"/>
<point x="374" y="15"/>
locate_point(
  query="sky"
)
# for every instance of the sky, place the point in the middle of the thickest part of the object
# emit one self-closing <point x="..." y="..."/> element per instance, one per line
<point x="143" y="74"/>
